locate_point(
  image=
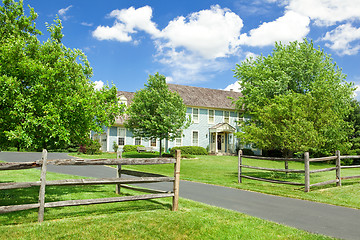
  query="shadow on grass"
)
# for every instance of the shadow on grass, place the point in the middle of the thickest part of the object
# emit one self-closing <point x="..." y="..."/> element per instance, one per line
<point x="61" y="193"/>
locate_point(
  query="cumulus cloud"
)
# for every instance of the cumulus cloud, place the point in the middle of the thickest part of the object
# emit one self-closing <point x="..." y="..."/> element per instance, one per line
<point x="186" y="68"/>
<point x="62" y="12"/>
<point x="98" y="85"/>
<point x="233" y="87"/>
<point x="342" y="39"/>
<point x="327" y="12"/>
<point x="290" y="27"/>
<point x="211" y="33"/>
<point x="128" y="21"/>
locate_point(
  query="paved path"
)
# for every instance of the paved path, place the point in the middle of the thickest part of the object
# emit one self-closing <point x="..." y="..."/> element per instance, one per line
<point x="314" y="217"/>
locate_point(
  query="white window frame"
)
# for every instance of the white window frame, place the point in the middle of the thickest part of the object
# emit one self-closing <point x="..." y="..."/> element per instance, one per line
<point x="118" y="135"/>
<point x="150" y="142"/>
<point x="228" y="118"/>
<point x="192" y="137"/>
<point x="213" y="116"/>
<point x="198" y="115"/>
<point x="181" y="142"/>
<point x="137" y="138"/>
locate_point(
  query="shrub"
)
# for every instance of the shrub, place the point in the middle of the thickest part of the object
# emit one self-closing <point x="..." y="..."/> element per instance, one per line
<point x="115" y="146"/>
<point x="167" y="155"/>
<point x="192" y="150"/>
<point x="248" y="152"/>
<point x="131" y="148"/>
<point x="91" y="147"/>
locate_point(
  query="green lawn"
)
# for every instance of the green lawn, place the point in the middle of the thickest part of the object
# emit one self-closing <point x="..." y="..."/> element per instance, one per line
<point x="150" y="219"/>
<point x="222" y="170"/>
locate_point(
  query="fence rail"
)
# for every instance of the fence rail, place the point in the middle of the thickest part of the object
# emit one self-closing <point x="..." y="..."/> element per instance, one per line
<point x="140" y="177"/>
<point x="306" y="160"/>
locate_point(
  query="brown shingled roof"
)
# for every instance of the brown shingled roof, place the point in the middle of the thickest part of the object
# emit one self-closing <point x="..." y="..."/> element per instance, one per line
<point x="195" y="97"/>
<point x="205" y="97"/>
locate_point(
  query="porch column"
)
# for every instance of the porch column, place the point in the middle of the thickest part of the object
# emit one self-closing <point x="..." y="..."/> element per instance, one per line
<point x="233" y="143"/>
<point x="216" y="143"/>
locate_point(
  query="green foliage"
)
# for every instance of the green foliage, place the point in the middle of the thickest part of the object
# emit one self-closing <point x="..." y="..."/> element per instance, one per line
<point x="90" y="147"/>
<point x="131" y="148"/>
<point x="156" y="112"/>
<point x="192" y="150"/>
<point x="115" y="146"/>
<point x="46" y="97"/>
<point x="248" y="152"/>
<point x="298" y="99"/>
<point x="167" y="155"/>
<point x="354" y="119"/>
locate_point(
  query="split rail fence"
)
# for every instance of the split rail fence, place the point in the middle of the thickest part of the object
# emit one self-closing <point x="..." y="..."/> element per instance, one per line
<point x="141" y="177"/>
<point x="306" y="160"/>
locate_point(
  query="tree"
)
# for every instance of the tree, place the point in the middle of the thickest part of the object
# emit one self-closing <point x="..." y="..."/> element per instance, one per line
<point x="156" y="112"/>
<point x="298" y="99"/>
<point x="46" y="97"/>
<point x="354" y="119"/>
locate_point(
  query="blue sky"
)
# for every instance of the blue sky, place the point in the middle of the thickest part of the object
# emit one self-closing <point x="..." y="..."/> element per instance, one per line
<point x="198" y="43"/>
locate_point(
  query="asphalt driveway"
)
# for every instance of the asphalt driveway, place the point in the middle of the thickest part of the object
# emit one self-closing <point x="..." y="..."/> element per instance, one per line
<point x="314" y="217"/>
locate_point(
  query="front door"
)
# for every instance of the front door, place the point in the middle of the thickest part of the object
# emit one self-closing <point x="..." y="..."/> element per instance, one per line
<point x="103" y="142"/>
<point x="221" y="142"/>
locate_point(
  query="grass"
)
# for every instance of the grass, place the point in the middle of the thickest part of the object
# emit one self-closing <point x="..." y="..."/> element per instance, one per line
<point x="222" y="170"/>
<point x="150" y="219"/>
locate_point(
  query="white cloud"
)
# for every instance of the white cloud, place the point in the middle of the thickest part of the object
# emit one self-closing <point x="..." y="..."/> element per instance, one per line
<point x="210" y="33"/>
<point x="233" y="87"/>
<point x="98" y="85"/>
<point x="169" y="79"/>
<point x="341" y="39"/>
<point x="357" y="92"/>
<point x="62" y="12"/>
<point x="290" y="27"/>
<point x="184" y="67"/>
<point x="127" y="22"/>
<point x="327" y="12"/>
<point x="87" y="24"/>
<point x="116" y="32"/>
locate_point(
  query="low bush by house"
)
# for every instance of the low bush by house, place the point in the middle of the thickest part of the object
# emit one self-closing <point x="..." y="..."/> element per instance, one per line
<point x="192" y="150"/>
<point x="91" y="147"/>
<point x="131" y="148"/>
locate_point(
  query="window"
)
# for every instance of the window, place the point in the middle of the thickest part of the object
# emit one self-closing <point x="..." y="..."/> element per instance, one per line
<point x="153" y="142"/>
<point x="123" y="100"/>
<point x="121" y="136"/>
<point x="211" y="116"/>
<point x="226" y="116"/>
<point x="137" y="141"/>
<point x="178" y="142"/>
<point x="195" y="138"/>
<point x="195" y="115"/>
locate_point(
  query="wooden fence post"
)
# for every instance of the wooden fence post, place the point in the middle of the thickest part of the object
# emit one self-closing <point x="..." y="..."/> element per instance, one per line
<point x="239" y="166"/>
<point x="118" y="172"/>
<point x="42" y="186"/>
<point x="175" y="205"/>
<point x="307" y="171"/>
<point x="338" y="168"/>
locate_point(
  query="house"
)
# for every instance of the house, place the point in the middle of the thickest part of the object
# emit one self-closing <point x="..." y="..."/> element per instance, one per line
<point x="214" y="122"/>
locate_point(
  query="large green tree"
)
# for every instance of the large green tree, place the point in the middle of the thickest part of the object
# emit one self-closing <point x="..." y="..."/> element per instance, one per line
<point x="46" y="97"/>
<point x="157" y="112"/>
<point x="298" y="99"/>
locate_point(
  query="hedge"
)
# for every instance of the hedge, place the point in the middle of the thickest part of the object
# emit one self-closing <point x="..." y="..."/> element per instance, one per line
<point x="131" y="148"/>
<point x="192" y="150"/>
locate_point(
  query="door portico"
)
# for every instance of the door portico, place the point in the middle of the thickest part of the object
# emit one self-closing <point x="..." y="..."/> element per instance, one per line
<point x="222" y="138"/>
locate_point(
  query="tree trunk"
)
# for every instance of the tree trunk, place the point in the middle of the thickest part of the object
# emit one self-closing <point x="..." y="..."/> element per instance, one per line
<point x="160" y="148"/>
<point x="287" y="154"/>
